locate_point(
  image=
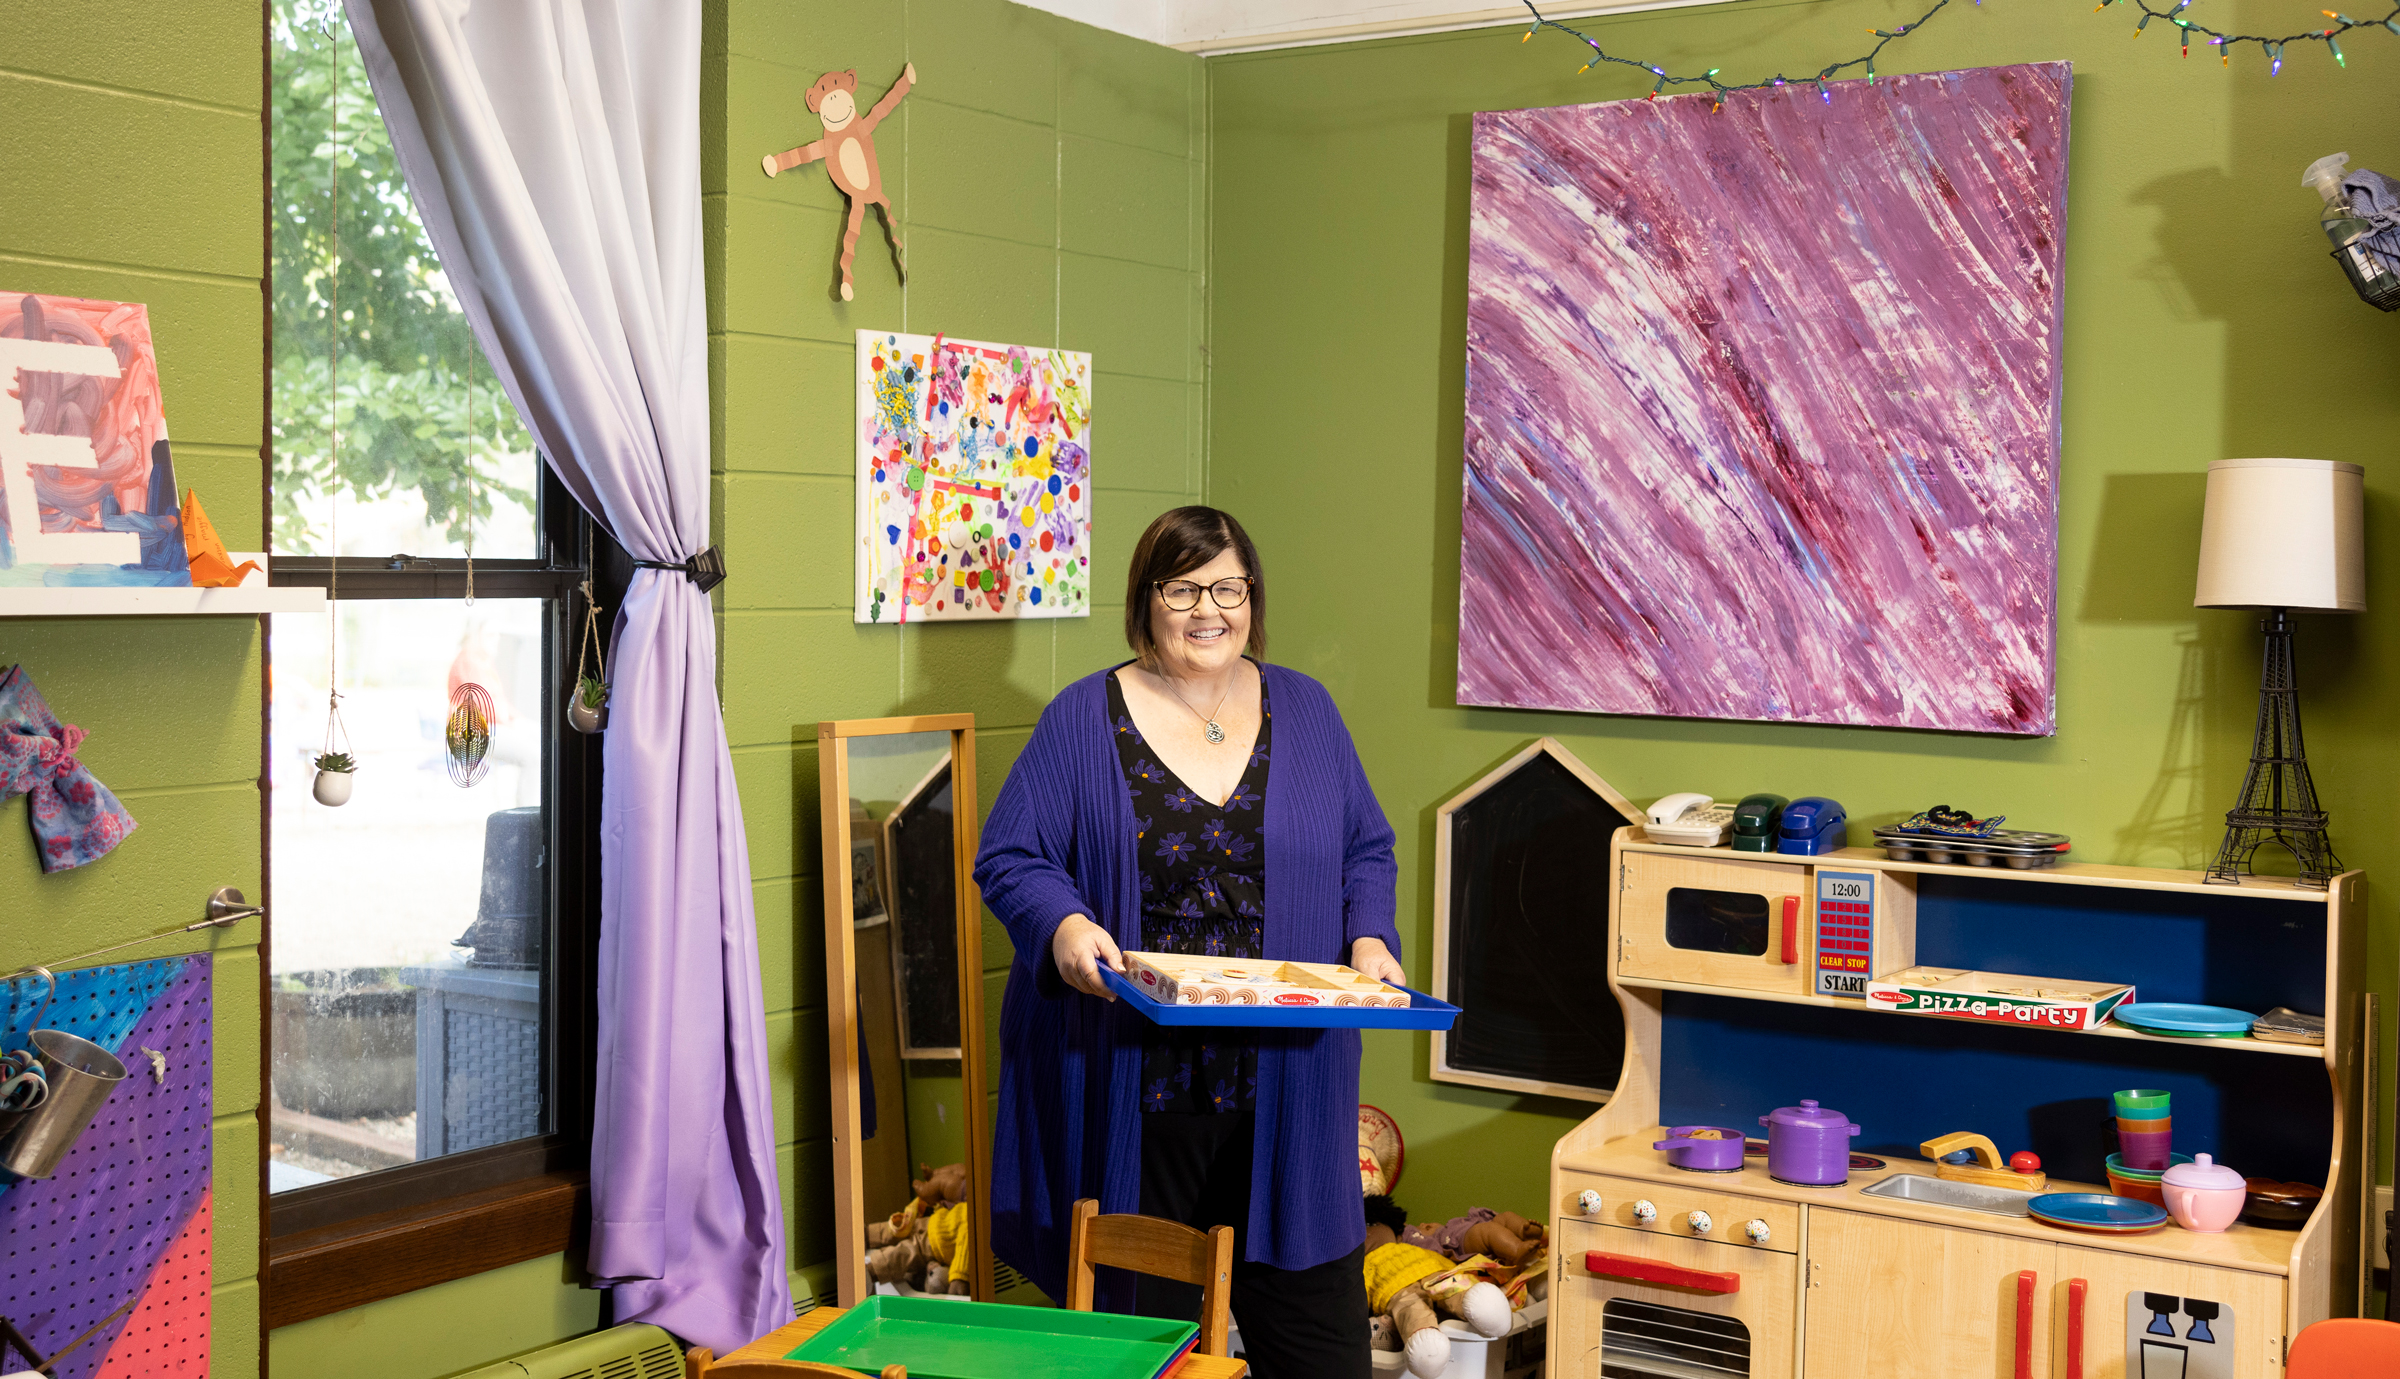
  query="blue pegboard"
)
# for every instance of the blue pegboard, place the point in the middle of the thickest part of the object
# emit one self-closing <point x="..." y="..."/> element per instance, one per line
<point x="101" y="1004"/>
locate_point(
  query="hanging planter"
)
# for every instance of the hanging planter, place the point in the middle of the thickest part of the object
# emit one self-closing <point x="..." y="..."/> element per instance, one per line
<point x="333" y="782"/>
<point x="584" y="709"/>
<point x="467" y="738"/>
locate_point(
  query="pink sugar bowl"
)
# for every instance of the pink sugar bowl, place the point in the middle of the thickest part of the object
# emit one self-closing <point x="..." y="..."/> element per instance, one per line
<point x="2203" y="1195"/>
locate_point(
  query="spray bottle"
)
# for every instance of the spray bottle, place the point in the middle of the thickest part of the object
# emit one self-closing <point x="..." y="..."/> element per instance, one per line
<point x="2377" y="283"/>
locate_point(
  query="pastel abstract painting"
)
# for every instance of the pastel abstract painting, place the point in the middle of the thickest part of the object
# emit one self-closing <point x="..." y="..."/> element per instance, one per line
<point x="87" y="486"/>
<point x="974" y="480"/>
<point x="1762" y="404"/>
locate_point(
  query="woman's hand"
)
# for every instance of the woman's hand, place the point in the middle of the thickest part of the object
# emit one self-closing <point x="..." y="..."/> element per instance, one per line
<point x="1079" y="947"/>
<point x="1369" y="956"/>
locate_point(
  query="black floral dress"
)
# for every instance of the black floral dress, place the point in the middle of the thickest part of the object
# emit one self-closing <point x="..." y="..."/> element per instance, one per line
<point x="1204" y="891"/>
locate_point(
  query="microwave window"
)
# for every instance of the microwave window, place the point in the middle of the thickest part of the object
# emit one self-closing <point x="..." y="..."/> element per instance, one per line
<point x="1717" y="921"/>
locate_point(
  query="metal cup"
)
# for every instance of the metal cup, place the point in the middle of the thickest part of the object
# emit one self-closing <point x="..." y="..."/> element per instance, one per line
<point x="81" y="1075"/>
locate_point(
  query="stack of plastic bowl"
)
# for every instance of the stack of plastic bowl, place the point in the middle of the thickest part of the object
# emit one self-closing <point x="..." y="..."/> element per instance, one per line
<point x="2144" y="1185"/>
<point x="2145" y="1133"/>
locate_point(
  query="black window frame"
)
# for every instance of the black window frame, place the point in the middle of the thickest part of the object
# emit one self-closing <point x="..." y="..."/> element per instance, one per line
<point x="572" y="547"/>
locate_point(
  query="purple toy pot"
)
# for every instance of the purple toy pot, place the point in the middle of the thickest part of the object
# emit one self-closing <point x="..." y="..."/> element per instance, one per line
<point x="1808" y="1145"/>
<point x="1721" y="1152"/>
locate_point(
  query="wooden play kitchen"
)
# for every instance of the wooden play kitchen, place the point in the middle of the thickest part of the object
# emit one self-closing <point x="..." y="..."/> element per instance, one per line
<point x="1901" y="1266"/>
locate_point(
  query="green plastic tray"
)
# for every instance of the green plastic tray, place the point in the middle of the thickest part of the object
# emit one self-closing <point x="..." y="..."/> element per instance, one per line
<point x="946" y="1339"/>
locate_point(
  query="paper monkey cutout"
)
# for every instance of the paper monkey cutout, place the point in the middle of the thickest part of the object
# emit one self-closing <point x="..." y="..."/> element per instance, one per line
<point x="848" y="149"/>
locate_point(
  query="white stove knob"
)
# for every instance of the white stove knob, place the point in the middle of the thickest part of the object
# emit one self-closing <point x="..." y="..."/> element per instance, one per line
<point x="1756" y="1230"/>
<point x="1588" y="1201"/>
<point x="1644" y="1212"/>
<point x="1700" y="1222"/>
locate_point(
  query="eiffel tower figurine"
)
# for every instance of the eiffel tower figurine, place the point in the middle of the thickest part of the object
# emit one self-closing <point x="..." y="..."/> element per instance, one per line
<point x="2279" y="801"/>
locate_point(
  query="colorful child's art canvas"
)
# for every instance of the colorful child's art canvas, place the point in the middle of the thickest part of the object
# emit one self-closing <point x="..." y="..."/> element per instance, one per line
<point x="1762" y="404"/>
<point x="974" y="480"/>
<point x="87" y="487"/>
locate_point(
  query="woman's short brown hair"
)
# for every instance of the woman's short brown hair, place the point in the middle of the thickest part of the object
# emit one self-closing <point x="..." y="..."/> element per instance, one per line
<point x="1177" y="543"/>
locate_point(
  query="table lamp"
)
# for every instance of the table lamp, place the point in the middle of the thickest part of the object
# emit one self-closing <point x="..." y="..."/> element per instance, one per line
<point x="2282" y="536"/>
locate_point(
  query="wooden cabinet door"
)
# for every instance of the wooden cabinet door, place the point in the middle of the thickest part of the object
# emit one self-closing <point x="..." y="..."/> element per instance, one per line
<point x="1604" y="1322"/>
<point x="1715" y="921"/>
<point x="1889" y="1299"/>
<point x="2244" y="1339"/>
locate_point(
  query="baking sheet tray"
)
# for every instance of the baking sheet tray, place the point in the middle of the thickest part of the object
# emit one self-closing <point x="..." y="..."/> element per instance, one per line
<point x="1422" y="1012"/>
<point x="943" y="1339"/>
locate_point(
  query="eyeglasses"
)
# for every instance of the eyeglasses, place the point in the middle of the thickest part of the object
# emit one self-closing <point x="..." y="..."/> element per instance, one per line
<point x="1183" y="595"/>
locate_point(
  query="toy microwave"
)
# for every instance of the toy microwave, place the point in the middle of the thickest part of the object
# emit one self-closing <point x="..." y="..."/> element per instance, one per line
<point x="1813" y="825"/>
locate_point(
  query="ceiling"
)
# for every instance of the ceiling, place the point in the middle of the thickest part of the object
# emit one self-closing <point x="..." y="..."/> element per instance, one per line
<point x="1232" y="26"/>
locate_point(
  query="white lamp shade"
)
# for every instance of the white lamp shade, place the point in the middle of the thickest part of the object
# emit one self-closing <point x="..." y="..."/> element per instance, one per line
<point x="2284" y="534"/>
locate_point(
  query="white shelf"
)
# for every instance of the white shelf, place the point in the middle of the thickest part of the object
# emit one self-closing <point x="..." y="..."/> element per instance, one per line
<point x="253" y="596"/>
<point x="2062" y="873"/>
<point x="2108" y="1031"/>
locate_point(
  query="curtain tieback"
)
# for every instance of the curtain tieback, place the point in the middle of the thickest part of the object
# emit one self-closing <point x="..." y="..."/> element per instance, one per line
<point x="706" y="569"/>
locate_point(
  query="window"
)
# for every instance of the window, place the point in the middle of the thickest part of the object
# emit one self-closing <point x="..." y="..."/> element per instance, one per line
<point x="430" y="1036"/>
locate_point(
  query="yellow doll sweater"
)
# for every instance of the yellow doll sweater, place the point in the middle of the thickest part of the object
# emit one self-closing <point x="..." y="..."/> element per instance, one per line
<point x="1391" y="1268"/>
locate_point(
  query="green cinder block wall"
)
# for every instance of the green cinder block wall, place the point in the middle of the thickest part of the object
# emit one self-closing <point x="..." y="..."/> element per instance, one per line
<point x="1050" y="184"/>
<point x="165" y="99"/>
<point x="2203" y="321"/>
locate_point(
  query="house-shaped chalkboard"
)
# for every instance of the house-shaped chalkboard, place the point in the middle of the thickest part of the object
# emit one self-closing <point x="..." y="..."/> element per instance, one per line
<point x="1520" y="928"/>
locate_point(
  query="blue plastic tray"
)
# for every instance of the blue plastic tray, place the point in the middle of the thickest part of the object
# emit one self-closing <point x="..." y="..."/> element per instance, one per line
<point x="1422" y="1012"/>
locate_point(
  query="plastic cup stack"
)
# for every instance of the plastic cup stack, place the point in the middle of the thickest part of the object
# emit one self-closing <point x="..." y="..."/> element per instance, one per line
<point x="2145" y="1133"/>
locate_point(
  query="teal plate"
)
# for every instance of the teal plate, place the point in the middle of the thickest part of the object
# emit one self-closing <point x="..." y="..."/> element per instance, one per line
<point x="2173" y="1017"/>
<point x="2096" y="1211"/>
<point x="939" y="1338"/>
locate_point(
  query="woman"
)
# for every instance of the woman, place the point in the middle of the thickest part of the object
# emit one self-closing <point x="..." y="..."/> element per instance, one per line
<point x="1191" y="800"/>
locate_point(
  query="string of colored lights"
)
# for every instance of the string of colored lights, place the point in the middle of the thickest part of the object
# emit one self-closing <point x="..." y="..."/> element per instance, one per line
<point x="1723" y="89"/>
<point x="2271" y="47"/>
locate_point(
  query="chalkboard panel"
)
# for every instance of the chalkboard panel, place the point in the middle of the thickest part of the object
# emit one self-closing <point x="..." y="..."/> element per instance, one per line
<point x="918" y="844"/>
<point x="1528" y="930"/>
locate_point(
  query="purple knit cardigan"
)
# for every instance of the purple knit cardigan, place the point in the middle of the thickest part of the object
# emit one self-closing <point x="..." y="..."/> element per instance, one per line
<point x="1060" y="841"/>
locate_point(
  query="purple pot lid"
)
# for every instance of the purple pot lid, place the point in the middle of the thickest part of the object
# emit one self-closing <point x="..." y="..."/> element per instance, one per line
<point x="1810" y="1115"/>
<point x="2204" y="1172"/>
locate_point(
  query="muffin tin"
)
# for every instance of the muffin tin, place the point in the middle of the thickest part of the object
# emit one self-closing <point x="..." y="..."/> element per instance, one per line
<point x="2008" y="847"/>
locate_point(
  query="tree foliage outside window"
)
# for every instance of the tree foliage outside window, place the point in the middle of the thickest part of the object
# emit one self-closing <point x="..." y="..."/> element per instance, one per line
<point x="408" y="356"/>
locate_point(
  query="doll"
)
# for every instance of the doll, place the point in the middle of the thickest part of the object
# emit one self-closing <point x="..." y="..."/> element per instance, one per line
<point x="1417" y="1288"/>
<point x="1502" y="1235"/>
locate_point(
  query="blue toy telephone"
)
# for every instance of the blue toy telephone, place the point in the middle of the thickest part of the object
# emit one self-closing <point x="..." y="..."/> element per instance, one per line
<point x="1813" y="825"/>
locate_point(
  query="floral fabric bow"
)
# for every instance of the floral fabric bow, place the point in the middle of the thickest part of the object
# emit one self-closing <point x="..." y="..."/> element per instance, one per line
<point x="75" y="819"/>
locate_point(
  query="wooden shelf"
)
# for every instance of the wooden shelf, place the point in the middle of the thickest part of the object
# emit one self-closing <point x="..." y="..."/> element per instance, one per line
<point x="2070" y="873"/>
<point x="2111" y="1031"/>
<point x="253" y="596"/>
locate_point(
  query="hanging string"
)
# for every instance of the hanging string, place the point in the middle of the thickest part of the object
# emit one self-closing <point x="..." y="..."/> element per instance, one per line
<point x="2271" y="48"/>
<point x="470" y="470"/>
<point x="333" y="335"/>
<point x="585" y="666"/>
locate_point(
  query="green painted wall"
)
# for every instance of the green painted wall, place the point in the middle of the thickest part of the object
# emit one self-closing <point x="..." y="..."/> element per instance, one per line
<point x="2203" y="321"/>
<point x="167" y="100"/>
<point x="1050" y="189"/>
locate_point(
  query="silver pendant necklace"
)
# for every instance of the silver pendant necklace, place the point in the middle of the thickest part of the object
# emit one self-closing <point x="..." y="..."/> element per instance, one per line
<point x="1212" y="730"/>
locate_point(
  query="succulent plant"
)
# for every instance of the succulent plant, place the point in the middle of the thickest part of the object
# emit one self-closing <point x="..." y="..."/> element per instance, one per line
<point x="336" y="761"/>
<point x="593" y="691"/>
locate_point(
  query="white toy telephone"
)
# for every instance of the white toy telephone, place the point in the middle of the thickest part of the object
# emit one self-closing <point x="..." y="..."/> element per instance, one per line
<point x="1689" y="819"/>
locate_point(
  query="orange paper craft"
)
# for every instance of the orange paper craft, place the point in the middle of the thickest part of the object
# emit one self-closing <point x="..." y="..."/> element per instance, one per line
<point x="212" y="568"/>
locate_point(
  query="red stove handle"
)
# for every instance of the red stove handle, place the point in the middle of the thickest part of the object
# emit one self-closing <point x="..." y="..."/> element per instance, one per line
<point x="1791" y="930"/>
<point x="2026" y="1280"/>
<point x="2076" y="1288"/>
<point x="1602" y="1264"/>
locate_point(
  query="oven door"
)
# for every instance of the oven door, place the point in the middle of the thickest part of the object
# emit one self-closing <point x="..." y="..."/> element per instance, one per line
<point x="1641" y="1305"/>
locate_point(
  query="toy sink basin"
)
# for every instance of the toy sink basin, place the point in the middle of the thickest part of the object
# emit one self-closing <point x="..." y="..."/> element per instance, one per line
<point x="1942" y="1192"/>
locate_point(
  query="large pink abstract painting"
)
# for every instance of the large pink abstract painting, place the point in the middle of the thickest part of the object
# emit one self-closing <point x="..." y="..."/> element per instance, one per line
<point x="1762" y="404"/>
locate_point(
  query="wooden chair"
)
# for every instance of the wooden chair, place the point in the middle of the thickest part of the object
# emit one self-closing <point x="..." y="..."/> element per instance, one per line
<point x="2345" y="1348"/>
<point x="701" y="1363"/>
<point x="1162" y="1249"/>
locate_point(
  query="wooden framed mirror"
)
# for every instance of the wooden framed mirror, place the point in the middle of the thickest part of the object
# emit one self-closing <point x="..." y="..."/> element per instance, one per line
<point x="903" y="975"/>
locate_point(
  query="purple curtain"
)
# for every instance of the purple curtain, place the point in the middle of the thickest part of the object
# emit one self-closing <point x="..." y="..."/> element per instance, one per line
<point x="554" y="153"/>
